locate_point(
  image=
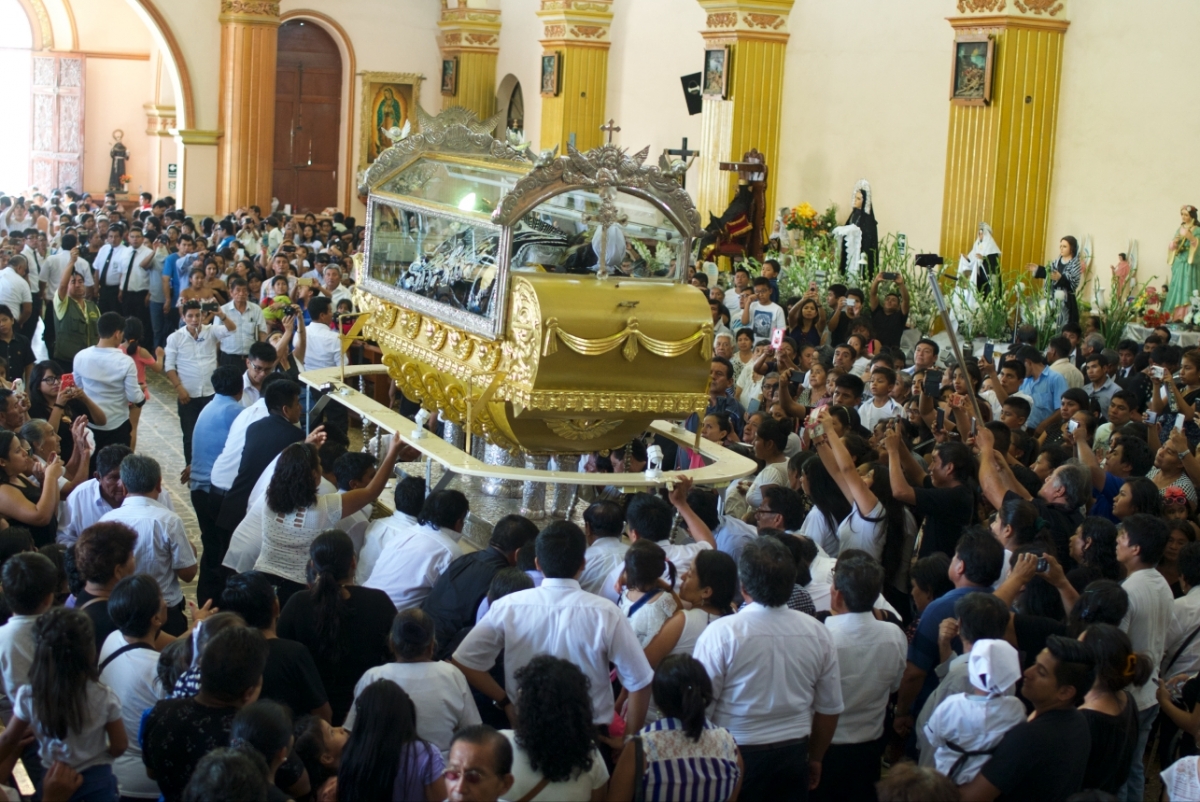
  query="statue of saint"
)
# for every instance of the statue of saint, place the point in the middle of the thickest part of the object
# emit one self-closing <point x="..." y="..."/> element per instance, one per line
<point x="859" y="235"/>
<point x="1182" y="258"/>
<point x="119" y="154"/>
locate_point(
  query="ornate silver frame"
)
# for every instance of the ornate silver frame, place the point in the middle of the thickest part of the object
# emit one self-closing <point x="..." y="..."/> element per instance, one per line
<point x="491" y="325"/>
<point x="604" y="168"/>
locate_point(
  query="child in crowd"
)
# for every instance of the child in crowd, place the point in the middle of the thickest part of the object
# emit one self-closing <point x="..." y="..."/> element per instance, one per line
<point x="142" y="359"/>
<point x="966" y="727"/>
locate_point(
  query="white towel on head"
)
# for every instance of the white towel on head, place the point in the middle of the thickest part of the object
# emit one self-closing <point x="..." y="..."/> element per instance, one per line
<point x="994" y="667"/>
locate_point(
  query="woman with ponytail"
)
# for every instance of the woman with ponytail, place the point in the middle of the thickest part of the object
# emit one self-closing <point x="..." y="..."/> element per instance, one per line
<point x="344" y="626"/>
<point x="647" y="600"/>
<point x="75" y="719"/>
<point x="682" y="755"/>
<point x="438" y="689"/>
<point x="1017" y="524"/>
<point x="1111" y="713"/>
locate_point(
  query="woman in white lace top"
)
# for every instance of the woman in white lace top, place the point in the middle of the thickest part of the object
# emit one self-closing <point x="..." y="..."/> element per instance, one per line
<point x="294" y="514"/>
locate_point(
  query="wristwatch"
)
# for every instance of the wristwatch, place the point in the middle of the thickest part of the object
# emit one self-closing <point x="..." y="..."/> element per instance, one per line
<point x="502" y="703"/>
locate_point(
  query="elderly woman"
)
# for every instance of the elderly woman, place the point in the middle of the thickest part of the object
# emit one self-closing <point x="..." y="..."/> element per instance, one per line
<point x="45" y="444"/>
<point x="293" y="514"/>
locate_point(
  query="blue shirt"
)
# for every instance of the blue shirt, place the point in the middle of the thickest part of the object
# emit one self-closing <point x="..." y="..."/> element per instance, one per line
<point x="170" y="269"/>
<point x="1046" y="393"/>
<point x="923" y="651"/>
<point x="208" y="438"/>
<point x="1105" y="498"/>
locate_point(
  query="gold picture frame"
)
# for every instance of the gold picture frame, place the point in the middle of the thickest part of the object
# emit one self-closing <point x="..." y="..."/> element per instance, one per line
<point x="971" y="70"/>
<point x="551" y="73"/>
<point x="388" y="101"/>
<point x="450" y="76"/>
<point x="714" y="78"/>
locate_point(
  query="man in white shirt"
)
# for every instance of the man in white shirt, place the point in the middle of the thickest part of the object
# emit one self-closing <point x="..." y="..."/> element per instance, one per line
<point x="1183" y="634"/>
<point x="871" y="658"/>
<point x="324" y="350"/>
<point x="775" y="678"/>
<point x="249" y="326"/>
<point x="14" y="289"/>
<point x="162" y="549"/>
<point x="108" y="376"/>
<point x="415" y="556"/>
<point x="191" y="358"/>
<point x="603" y="524"/>
<point x="225" y="468"/>
<point x="560" y="619"/>
<point x="110" y="268"/>
<point x="650" y="518"/>
<point x="134" y="296"/>
<point x="1141" y="540"/>
<point x="92" y="500"/>
<point x="760" y="314"/>
<point x="260" y="363"/>
<point x="1058" y="357"/>
<point x="407" y="500"/>
<point x="34" y="256"/>
<point x="331" y="286"/>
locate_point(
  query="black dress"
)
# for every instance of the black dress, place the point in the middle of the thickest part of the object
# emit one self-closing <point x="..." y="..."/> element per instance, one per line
<point x="42" y="535"/>
<point x="1113" y="740"/>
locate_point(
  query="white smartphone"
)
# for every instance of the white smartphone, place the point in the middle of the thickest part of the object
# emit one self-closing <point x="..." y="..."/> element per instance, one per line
<point x="1151" y="417"/>
<point x="1157" y="372"/>
<point x="1072" y="425"/>
<point x="1179" y="421"/>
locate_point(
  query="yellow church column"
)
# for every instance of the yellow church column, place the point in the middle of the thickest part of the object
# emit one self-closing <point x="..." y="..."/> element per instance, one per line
<point x="747" y="116"/>
<point x="472" y="36"/>
<point x="573" y="98"/>
<point x="249" y="43"/>
<point x="1000" y="151"/>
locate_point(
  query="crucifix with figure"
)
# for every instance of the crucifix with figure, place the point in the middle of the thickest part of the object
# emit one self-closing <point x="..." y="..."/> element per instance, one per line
<point x="683" y="153"/>
<point x="612" y="128"/>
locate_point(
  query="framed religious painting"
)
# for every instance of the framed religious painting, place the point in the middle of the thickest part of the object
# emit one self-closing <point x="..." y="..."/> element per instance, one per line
<point x="551" y="72"/>
<point x="715" y="81"/>
<point x="971" y="74"/>
<point x="388" y="102"/>
<point x="450" y="76"/>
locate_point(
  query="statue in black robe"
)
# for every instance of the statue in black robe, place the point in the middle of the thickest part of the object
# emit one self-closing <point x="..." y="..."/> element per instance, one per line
<point x="862" y="215"/>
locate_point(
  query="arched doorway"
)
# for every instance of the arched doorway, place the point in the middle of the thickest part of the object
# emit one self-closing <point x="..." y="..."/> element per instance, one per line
<point x="308" y="97"/>
<point x="16" y="44"/>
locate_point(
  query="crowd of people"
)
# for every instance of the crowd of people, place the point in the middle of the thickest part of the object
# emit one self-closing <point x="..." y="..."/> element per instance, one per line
<point x="944" y="581"/>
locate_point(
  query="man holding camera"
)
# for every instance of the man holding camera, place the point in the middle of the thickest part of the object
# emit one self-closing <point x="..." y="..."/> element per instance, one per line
<point x="190" y="361"/>
<point x="891" y="318"/>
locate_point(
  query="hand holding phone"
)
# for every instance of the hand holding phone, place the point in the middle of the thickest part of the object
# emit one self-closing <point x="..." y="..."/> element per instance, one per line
<point x="776" y="338"/>
<point x="941" y="418"/>
<point x="989" y="349"/>
<point x="66" y="380"/>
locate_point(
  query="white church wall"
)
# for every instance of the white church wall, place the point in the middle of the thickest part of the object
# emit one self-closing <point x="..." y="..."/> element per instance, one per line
<point x="653" y="44"/>
<point x="1126" y="156"/>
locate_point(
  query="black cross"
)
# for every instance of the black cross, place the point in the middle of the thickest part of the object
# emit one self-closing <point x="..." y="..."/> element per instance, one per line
<point x="682" y="153"/>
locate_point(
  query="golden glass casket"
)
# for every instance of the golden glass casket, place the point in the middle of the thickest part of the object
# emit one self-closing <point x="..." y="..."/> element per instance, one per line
<point x="477" y="279"/>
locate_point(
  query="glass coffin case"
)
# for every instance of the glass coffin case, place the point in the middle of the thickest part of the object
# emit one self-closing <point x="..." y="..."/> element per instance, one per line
<point x="511" y="292"/>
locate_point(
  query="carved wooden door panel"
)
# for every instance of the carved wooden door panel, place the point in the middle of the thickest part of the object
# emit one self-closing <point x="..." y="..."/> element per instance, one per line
<point x="56" y="152"/>
<point x="308" y="118"/>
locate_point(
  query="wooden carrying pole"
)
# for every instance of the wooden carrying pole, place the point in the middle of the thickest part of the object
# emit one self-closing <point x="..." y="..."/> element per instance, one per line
<point x="944" y="312"/>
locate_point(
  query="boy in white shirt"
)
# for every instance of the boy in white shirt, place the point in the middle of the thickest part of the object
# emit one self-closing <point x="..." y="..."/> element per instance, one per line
<point x="881" y="406"/>
<point x="760" y="314"/>
<point x="966" y="727"/>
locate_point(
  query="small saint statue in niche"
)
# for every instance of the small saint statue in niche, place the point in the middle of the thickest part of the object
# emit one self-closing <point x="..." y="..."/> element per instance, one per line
<point x="119" y="154"/>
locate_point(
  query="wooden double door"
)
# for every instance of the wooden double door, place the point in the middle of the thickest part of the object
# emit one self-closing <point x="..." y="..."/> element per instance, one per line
<point x="308" y="118"/>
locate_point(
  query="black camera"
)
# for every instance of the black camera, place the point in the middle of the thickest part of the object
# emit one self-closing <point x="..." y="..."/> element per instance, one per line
<point x="929" y="260"/>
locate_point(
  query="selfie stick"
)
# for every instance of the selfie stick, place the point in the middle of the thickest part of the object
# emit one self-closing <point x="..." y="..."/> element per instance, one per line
<point x="940" y="300"/>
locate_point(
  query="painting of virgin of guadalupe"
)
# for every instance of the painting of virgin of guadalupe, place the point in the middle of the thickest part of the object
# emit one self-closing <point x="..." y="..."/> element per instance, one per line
<point x="387" y="104"/>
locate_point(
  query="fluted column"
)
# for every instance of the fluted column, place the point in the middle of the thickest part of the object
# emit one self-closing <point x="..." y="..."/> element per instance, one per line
<point x="578" y="31"/>
<point x="472" y="35"/>
<point x="249" y="43"/>
<point x="1000" y="154"/>
<point x="748" y="117"/>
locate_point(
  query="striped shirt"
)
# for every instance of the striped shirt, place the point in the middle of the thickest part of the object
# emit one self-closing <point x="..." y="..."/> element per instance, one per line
<point x="677" y="767"/>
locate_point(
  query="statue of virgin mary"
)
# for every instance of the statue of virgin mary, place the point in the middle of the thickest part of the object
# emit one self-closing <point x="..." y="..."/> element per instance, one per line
<point x="860" y="234"/>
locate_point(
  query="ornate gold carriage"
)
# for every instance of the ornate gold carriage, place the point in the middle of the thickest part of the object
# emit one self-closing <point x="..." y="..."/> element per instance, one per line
<point x="479" y="282"/>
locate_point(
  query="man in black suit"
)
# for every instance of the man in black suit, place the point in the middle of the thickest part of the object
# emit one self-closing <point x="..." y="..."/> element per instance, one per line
<point x="265" y="440"/>
<point x="1129" y="377"/>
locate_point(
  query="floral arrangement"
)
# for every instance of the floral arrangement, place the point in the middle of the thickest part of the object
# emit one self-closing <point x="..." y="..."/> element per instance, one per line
<point x="805" y="218"/>
<point x="126" y="178"/>
<point x="1153" y="318"/>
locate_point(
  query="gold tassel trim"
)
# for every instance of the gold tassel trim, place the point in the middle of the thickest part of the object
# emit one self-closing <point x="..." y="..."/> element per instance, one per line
<point x="627" y="340"/>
